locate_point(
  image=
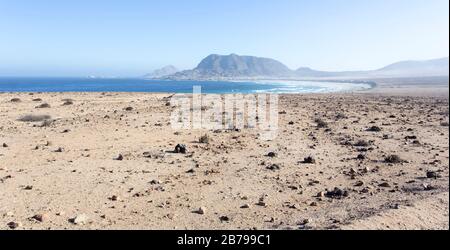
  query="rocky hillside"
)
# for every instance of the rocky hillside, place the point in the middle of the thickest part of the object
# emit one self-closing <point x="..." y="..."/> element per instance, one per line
<point x="217" y="66"/>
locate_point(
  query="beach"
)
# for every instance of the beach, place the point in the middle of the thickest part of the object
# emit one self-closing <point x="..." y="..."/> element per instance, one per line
<point x="370" y="160"/>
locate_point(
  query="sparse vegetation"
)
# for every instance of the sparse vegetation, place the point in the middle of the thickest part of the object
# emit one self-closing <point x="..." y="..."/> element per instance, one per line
<point x="341" y="116"/>
<point x="394" y="159"/>
<point x="321" y="123"/>
<point x="361" y="157"/>
<point x="43" y="106"/>
<point x="46" y="123"/>
<point x="344" y="168"/>
<point x="362" y="143"/>
<point x="34" y="118"/>
<point x="67" y="102"/>
<point x="309" y="160"/>
<point x="204" y="139"/>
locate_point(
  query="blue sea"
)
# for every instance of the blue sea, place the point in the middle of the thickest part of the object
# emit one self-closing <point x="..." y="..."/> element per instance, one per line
<point x="14" y="84"/>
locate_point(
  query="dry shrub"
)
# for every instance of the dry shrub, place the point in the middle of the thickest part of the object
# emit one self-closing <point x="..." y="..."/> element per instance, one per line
<point x="34" y="118"/>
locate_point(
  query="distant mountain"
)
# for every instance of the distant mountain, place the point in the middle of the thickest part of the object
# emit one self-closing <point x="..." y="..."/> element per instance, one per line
<point x="240" y="67"/>
<point x="159" y="73"/>
<point x="308" y="72"/>
<point x="436" y="67"/>
<point x="311" y="73"/>
<point x="235" y="66"/>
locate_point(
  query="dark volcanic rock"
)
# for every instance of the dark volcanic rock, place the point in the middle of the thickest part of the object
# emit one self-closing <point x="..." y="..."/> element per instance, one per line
<point x="374" y="129"/>
<point x="274" y="167"/>
<point x="180" y="149"/>
<point x="337" y="193"/>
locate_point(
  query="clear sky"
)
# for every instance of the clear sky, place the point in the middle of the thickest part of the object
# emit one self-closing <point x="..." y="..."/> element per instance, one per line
<point x="131" y="38"/>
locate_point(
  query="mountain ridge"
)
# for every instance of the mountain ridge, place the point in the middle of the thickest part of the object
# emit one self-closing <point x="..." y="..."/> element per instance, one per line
<point x="162" y="72"/>
<point x="234" y="66"/>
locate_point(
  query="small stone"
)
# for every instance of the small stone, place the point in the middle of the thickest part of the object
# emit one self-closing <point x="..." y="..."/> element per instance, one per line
<point x="28" y="187"/>
<point x="313" y="204"/>
<point x="201" y="211"/>
<point x="224" y="218"/>
<point x="14" y="225"/>
<point x="261" y="204"/>
<point x="385" y="185"/>
<point x="171" y="216"/>
<point x="5" y="145"/>
<point x="119" y="158"/>
<point x="180" y="149"/>
<point x="428" y="187"/>
<point x="273" y="167"/>
<point x="432" y="175"/>
<point x="79" y="219"/>
<point x="40" y="217"/>
<point x="361" y="157"/>
<point x="272" y="154"/>
<point x="321" y="194"/>
<point x="59" y="150"/>
<point x="304" y="222"/>
<point x="337" y="193"/>
<point x="359" y="184"/>
<point x="16" y="100"/>
<point x="245" y="206"/>
<point x="394" y="206"/>
<point x="114" y="198"/>
<point x="67" y="103"/>
<point x="293" y="206"/>
<point x="374" y="129"/>
<point x="155" y="182"/>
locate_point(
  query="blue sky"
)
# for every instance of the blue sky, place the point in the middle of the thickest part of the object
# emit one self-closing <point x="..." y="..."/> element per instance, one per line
<point x="130" y="38"/>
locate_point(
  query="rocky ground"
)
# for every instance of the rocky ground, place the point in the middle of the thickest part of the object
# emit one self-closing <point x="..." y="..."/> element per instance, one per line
<point x="106" y="161"/>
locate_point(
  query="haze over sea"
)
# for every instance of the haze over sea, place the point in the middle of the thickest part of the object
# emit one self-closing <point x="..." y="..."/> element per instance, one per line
<point x="14" y="84"/>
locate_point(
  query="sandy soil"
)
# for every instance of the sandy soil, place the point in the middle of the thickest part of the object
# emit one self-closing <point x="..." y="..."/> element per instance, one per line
<point x="67" y="173"/>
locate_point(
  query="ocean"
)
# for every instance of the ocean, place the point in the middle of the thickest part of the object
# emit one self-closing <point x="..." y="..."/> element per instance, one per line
<point x="15" y="84"/>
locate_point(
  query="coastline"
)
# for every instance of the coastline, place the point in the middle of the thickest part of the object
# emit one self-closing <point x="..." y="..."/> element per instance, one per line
<point x="164" y="86"/>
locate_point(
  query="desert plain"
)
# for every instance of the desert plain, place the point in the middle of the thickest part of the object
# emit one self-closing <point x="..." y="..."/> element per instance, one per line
<point x="370" y="160"/>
